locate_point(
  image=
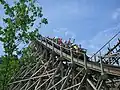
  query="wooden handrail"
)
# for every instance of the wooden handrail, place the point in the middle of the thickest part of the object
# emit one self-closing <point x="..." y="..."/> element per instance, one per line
<point x="61" y="45"/>
<point x="110" y="69"/>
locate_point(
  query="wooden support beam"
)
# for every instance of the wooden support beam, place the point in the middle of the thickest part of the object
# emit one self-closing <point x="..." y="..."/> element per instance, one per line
<point x="32" y="85"/>
<point x="61" y="54"/>
<point x="91" y="84"/>
<point x="62" y="87"/>
<point x="100" y="85"/>
<point x="82" y="81"/>
<point x="101" y="65"/>
<point x="57" y="83"/>
<point x="43" y="84"/>
<point x="95" y="58"/>
<point x="14" y="88"/>
<point x="71" y="54"/>
<point x="85" y="62"/>
<point x="69" y="88"/>
<point x="32" y="78"/>
<point x="21" y="88"/>
<point x="54" y="76"/>
<point x="78" y="73"/>
<point x="113" y="48"/>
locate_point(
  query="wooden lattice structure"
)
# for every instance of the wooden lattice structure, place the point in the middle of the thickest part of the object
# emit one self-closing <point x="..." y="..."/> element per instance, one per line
<point x="54" y="69"/>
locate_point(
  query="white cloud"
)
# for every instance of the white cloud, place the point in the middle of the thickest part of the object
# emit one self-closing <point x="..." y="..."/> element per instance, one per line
<point x="70" y="34"/>
<point x="64" y="32"/>
<point x="59" y="30"/>
<point x="116" y="14"/>
<point x="56" y="30"/>
<point x="100" y="39"/>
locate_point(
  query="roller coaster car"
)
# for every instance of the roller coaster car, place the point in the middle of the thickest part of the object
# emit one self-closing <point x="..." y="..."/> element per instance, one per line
<point x="80" y="54"/>
<point x="77" y="54"/>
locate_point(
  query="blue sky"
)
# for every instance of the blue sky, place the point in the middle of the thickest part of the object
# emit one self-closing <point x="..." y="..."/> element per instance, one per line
<point x="90" y="22"/>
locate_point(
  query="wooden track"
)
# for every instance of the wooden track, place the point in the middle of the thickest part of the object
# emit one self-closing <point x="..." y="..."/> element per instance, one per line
<point x="55" y="67"/>
<point x="109" y="69"/>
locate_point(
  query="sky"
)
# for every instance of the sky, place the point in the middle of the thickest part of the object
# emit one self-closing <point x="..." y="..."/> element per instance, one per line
<point x="90" y="22"/>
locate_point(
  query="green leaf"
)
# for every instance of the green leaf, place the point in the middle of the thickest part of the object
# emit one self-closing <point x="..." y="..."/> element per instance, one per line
<point x="21" y="17"/>
<point x="44" y="20"/>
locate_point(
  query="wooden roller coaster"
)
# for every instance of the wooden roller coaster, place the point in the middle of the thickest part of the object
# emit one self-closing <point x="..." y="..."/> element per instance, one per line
<point x="53" y="67"/>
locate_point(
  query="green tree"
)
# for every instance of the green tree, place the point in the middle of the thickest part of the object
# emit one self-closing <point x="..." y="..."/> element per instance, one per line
<point x="22" y="22"/>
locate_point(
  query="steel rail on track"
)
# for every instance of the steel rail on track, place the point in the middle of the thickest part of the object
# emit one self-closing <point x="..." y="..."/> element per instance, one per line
<point x="105" y="44"/>
<point x="109" y="69"/>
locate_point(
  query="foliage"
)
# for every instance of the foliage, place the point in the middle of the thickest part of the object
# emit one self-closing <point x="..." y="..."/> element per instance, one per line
<point x="22" y="22"/>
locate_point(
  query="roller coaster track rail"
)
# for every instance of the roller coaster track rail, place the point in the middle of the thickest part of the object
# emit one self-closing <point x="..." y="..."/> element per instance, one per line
<point x="109" y="69"/>
<point x="106" y="44"/>
<point x="55" y="67"/>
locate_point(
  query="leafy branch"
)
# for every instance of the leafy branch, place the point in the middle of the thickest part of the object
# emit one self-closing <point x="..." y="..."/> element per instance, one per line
<point x="21" y="20"/>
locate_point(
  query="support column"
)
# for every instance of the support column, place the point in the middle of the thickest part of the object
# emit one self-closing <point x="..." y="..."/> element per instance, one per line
<point x="52" y="46"/>
<point x="72" y="63"/>
<point x="60" y="51"/>
<point x="95" y="57"/>
<point x="85" y="62"/>
<point x="101" y="65"/>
